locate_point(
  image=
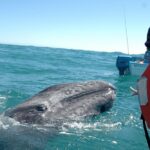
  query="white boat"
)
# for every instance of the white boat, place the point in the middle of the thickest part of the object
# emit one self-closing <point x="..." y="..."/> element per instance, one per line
<point x="134" y="65"/>
<point x="128" y="65"/>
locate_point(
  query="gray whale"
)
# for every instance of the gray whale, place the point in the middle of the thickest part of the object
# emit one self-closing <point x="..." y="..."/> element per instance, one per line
<point x="65" y="102"/>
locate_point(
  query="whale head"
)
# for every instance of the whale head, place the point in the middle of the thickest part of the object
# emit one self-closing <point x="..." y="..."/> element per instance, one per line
<point x="63" y="101"/>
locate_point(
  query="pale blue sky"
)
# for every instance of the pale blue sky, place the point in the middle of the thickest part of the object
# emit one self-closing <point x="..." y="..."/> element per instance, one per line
<point x="78" y="24"/>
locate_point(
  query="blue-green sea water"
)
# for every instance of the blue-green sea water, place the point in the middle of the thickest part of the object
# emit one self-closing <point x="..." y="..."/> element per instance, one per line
<point x="26" y="70"/>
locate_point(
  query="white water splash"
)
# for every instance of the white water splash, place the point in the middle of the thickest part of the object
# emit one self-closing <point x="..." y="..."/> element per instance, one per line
<point x="81" y="127"/>
<point x="6" y="122"/>
<point x="2" y="101"/>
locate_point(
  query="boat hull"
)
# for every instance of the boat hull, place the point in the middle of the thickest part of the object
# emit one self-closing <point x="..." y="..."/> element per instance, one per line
<point x="137" y="68"/>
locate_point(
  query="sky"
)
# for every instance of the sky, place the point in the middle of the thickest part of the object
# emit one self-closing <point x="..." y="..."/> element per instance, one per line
<point x="98" y="25"/>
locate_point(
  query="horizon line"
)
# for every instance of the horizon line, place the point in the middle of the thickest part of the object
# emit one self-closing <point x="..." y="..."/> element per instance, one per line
<point x="53" y="47"/>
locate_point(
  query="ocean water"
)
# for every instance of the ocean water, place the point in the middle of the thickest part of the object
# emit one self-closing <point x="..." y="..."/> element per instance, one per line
<point x="25" y="70"/>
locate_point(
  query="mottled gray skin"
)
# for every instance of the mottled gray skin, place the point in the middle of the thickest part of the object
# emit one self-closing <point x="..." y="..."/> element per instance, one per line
<point x="65" y="101"/>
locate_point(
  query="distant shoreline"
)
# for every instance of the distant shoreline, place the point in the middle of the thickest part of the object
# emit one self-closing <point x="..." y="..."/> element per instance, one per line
<point x="72" y="49"/>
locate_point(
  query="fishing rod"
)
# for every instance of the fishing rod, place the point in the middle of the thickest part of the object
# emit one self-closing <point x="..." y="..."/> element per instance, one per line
<point x="126" y="31"/>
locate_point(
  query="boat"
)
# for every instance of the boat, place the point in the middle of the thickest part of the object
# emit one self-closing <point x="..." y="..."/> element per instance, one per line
<point x="130" y="65"/>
